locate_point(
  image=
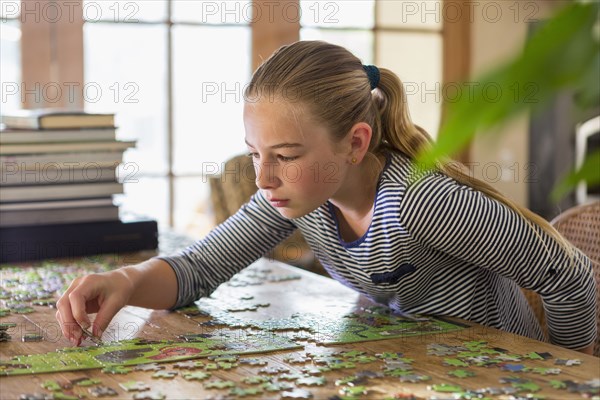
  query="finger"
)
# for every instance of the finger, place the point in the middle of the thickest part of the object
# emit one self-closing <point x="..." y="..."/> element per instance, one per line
<point x="61" y="324"/>
<point x="78" y="299"/>
<point x="106" y="313"/>
<point x="68" y="324"/>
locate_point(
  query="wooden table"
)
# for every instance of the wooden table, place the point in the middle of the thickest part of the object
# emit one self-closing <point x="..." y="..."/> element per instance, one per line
<point x="308" y="294"/>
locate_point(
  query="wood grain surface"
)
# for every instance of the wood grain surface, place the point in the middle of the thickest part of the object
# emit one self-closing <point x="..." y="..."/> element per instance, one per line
<point x="312" y="293"/>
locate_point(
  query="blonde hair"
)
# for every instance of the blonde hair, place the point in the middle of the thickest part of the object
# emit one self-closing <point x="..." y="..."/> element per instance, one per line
<point x="330" y="83"/>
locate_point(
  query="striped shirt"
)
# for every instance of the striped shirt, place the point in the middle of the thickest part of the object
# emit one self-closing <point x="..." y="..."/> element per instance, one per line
<point x="434" y="246"/>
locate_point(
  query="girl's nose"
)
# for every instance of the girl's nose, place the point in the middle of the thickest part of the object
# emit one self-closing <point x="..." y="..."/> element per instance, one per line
<point x="266" y="176"/>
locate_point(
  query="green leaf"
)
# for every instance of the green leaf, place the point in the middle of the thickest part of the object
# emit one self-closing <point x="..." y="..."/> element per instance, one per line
<point x="589" y="172"/>
<point x="562" y="53"/>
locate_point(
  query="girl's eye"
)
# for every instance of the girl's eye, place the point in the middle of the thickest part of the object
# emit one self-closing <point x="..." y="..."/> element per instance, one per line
<point x="252" y="155"/>
<point x="287" y="159"/>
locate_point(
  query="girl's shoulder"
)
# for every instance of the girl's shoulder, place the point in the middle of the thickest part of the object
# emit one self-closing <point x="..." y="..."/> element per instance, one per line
<point x="402" y="172"/>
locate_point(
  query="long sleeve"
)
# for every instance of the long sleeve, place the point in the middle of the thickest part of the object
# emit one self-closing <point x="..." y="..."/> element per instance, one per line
<point x="233" y="245"/>
<point x="470" y="226"/>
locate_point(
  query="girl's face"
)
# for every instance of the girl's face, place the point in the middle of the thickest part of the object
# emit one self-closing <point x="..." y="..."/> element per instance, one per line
<point x="298" y="167"/>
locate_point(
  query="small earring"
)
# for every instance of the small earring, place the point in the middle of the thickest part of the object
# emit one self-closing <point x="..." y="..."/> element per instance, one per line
<point x="354" y="160"/>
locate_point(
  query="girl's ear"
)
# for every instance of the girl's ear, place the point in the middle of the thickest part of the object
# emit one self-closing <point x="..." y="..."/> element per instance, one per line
<point x="360" y="138"/>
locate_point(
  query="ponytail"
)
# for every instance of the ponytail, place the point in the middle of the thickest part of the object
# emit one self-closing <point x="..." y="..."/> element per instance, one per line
<point x="400" y="134"/>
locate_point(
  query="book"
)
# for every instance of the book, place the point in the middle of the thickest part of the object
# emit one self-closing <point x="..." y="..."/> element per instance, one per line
<point x="56" y="135"/>
<point x="58" y="216"/>
<point x="26" y="243"/>
<point x="59" y="191"/>
<point x="57" y="204"/>
<point x="54" y="118"/>
<point x="70" y="147"/>
<point x="60" y="160"/>
<point x="51" y="174"/>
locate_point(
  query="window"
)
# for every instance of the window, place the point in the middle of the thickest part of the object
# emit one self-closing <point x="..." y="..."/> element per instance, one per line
<point x="174" y="71"/>
<point x="347" y="23"/>
<point x="408" y="40"/>
<point x="10" y="56"/>
<point x="175" y="91"/>
<point x="404" y="36"/>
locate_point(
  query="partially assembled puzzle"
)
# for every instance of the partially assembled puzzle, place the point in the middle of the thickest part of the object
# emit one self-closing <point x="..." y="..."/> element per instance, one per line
<point x="139" y="351"/>
<point x="218" y="318"/>
<point x="372" y="323"/>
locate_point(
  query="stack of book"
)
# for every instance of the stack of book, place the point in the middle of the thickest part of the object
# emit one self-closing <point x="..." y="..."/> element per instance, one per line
<point x="58" y="175"/>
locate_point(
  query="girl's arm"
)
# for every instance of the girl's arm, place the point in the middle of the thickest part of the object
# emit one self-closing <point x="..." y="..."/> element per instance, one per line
<point x="171" y="282"/>
<point x="470" y="226"/>
<point x="239" y="241"/>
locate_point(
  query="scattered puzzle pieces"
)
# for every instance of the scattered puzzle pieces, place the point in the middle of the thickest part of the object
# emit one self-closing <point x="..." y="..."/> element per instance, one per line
<point x="102" y="391"/>
<point x="51" y="385"/>
<point x="414" y="378"/>
<point x="461" y="373"/>
<point x="134" y="386"/>
<point x="538" y="356"/>
<point x="150" y="367"/>
<point x="446" y="388"/>
<point x="354" y="391"/>
<point x="85" y="381"/>
<point x="310" y="370"/>
<point x="556" y="384"/>
<point x="290" y="376"/>
<point x="32" y="337"/>
<point x="116" y="369"/>
<point x="513" y="367"/>
<point x="311" y="381"/>
<point x="545" y="371"/>
<point x="165" y="374"/>
<point x="196" y="375"/>
<point x="36" y="396"/>
<point x="568" y="363"/>
<point x="296" y="359"/>
<point x="219" y="384"/>
<point x="149" y="396"/>
<point x="276" y="386"/>
<point x="527" y="387"/>
<point x="190" y="364"/>
<point x="241" y="392"/>
<point x="253" y="361"/>
<point x="455" y="362"/>
<point x="256" y="380"/>
<point x="65" y="396"/>
<point x="274" y="370"/>
<point x="296" y="394"/>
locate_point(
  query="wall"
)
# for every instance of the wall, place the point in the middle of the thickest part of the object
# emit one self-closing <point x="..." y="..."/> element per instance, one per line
<point x="498" y="32"/>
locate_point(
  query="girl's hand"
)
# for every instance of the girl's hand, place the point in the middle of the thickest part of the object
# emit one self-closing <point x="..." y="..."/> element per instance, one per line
<point x="105" y="293"/>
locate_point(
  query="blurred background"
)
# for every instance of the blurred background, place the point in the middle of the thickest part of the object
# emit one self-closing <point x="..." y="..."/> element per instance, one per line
<point x="174" y="72"/>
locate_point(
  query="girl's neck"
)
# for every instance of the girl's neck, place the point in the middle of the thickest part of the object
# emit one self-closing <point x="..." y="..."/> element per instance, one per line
<point x="356" y="198"/>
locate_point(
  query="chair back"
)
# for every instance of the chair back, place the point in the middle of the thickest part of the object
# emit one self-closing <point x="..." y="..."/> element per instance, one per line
<point x="580" y="225"/>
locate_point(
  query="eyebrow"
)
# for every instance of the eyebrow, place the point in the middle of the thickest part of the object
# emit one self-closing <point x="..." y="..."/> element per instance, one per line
<point x="280" y="145"/>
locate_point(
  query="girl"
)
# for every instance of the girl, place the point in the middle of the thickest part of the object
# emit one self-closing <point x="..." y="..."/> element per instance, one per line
<point x="333" y="149"/>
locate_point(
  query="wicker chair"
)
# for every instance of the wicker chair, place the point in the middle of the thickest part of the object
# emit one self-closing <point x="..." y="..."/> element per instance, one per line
<point x="580" y="225"/>
<point x="234" y="188"/>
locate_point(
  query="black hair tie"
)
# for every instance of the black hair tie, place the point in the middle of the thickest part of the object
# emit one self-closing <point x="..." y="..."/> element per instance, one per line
<point x="373" y="75"/>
